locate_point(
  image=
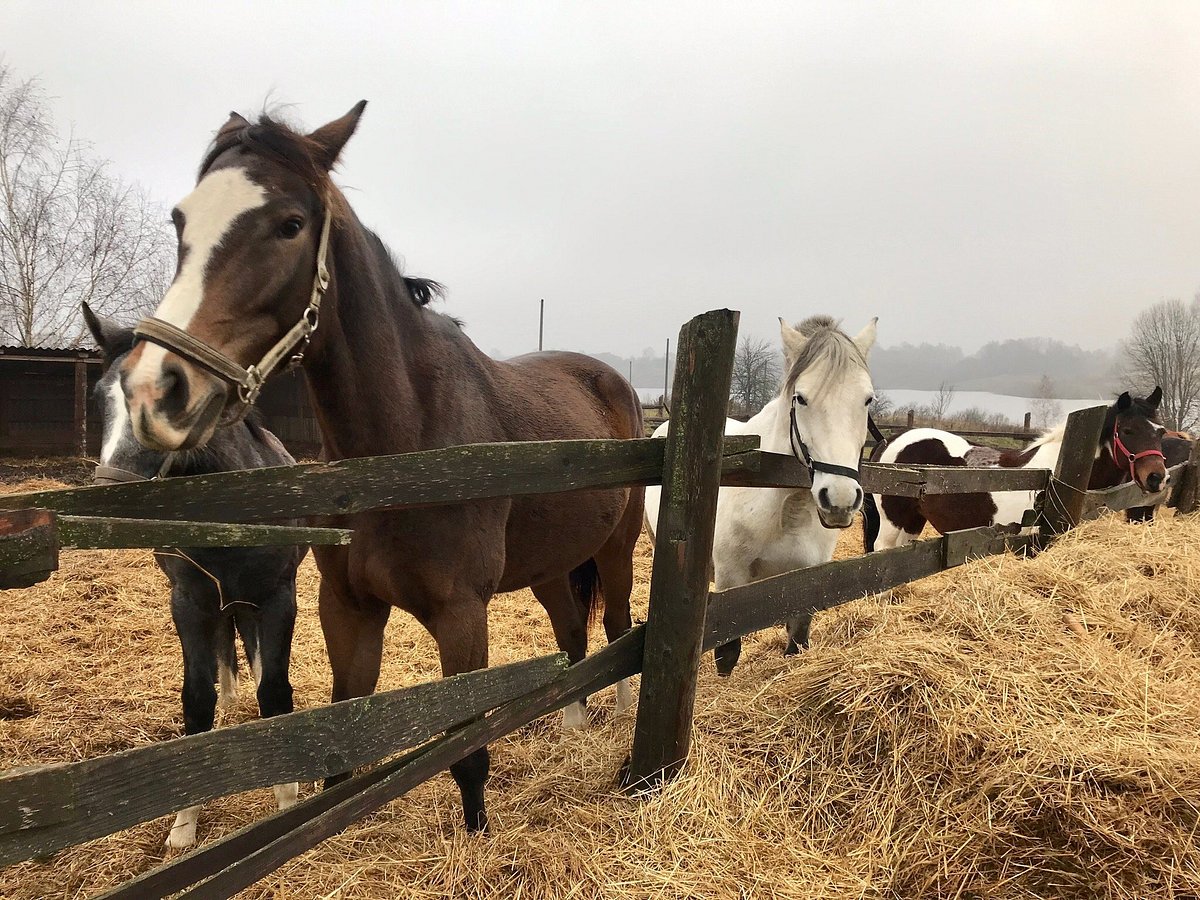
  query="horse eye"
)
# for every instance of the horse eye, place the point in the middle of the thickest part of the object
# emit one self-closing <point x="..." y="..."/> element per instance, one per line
<point x="291" y="227"/>
<point x="870" y="400"/>
<point x="799" y="398"/>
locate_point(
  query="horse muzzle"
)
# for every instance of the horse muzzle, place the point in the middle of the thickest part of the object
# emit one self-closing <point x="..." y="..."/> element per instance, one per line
<point x="173" y="404"/>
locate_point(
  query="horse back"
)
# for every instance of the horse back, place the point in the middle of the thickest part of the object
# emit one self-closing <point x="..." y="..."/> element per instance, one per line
<point x="558" y="395"/>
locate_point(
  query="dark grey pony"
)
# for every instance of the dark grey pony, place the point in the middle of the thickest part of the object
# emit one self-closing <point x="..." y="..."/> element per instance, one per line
<point x="214" y="590"/>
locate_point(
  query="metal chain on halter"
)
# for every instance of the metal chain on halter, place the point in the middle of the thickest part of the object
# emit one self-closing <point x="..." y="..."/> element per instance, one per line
<point x="292" y="346"/>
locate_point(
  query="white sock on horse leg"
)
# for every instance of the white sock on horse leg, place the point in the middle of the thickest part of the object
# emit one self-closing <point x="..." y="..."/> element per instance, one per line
<point x="574" y="716"/>
<point x="183" y="832"/>
<point x="229" y="686"/>
<point x="286" y="794"/>
<point x="624" y="695"/>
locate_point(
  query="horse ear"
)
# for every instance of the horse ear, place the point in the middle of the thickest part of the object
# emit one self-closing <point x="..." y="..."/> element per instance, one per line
<point x="1155" y="397"/>
<point x="236" y="123"/>
<point x="331" y="138"/>
<point x="111" y="338"/>
<point x="793" y="341"/>
<point x="865" y="339"/>
<point x="1124" y="402"/>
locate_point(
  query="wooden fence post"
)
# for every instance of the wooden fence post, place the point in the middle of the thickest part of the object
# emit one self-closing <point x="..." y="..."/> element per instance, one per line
<point x="80" y="417"/>
<point x="28" y="547"/>
<point x="1063" y="500"/>
<point x="683" y="548"/>
<point x="1186" y="498"/>
<point x="911" y="418"/>
<point x="1028" y="419"/>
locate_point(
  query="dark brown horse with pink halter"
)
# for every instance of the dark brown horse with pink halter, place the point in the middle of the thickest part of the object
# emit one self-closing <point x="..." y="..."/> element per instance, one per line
<point x="274" y="267"/>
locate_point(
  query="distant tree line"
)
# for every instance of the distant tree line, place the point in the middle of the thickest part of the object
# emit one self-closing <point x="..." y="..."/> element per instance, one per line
<point x="70" y="231"/>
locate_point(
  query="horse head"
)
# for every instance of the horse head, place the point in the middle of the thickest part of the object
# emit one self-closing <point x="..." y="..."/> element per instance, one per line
<point x="122" y="458"/>
<point x="253" y="237"/>
<point x="828" y="389"/>
<point x="1133" y="437"/>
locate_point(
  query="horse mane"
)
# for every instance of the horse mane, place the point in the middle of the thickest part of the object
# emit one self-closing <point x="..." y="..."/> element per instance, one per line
<point x="277" y="141"/>
<point x="826" y="342"/>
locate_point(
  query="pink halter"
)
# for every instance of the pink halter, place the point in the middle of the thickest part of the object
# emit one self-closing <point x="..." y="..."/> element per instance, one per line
<point x="1131" y="458"/>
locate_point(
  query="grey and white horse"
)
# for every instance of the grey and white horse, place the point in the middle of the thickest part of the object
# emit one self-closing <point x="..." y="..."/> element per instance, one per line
<point x="214" y="590"/>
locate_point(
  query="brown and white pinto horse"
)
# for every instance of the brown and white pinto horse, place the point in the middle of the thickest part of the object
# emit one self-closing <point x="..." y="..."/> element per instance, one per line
<point x="1130" y="447"/>
<point x="1177" y="449"/>
<point x="387" y="375"/>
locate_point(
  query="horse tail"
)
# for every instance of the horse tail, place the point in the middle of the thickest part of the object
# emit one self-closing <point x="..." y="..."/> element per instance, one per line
<point x="587" y="589"/>
<point x="870" y="522"/>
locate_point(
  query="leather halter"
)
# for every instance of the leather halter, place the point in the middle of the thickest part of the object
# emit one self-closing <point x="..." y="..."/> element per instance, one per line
<point x="1131" y="458"/>
<point x="800" y="449"/>
<point x="249" y="380"/>
<point x="116" y="475"/>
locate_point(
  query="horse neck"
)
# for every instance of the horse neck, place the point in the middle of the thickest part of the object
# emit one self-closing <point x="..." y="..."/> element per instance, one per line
<point x="375" y="354"/>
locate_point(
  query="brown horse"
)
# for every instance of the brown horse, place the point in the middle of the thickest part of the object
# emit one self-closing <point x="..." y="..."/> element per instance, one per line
<point x="387" y="375"/>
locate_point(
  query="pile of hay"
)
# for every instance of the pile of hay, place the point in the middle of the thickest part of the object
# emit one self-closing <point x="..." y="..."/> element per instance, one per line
<point x="957" y="737"/>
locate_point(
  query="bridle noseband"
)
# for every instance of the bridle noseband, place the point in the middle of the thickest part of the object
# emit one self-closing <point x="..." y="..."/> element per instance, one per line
<point x="800" y="449"/>
<point x="1131" y="458"/>
<point x="116" y="475"/>
<point x="292" y="346"/>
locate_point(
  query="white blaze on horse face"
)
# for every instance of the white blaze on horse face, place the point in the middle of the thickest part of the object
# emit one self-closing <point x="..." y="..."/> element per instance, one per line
<point x="116" y="422"/>
<point x="833" y="424"/>
<point x="209" y="211"/>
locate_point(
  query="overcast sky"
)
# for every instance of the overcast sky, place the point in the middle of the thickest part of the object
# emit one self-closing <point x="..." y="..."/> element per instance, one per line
<point x="967" y="172"/>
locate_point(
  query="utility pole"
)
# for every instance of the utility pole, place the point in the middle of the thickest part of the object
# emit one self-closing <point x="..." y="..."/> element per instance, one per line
<point x="541" y="321"/>
<point x="631" y="371"/>
<point x="667" y="370"/>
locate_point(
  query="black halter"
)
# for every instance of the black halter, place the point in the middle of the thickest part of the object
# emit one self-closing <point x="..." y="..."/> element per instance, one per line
<point x="815" y="465"/>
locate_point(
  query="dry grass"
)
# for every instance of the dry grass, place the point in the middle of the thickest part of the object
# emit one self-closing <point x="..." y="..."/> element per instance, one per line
<point x="955" y="738"/>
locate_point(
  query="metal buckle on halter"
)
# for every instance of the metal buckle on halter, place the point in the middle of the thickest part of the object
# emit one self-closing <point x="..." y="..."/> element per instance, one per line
<point x="249" y="389"/>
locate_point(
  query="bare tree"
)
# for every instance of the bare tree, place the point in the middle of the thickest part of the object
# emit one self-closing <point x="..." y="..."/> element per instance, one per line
<point x="1163" y="349"/>
<point x="755" y="375"/>
<point x="69" y="231"/>
<point x="1046" y="410"/>
<point x="941" y="402"/>
<point x="882" y="407"/>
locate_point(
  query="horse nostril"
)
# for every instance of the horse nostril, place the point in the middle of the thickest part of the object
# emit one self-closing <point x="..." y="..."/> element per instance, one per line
<point x="174" y="385"/>
<point x="823" y="496"/>
<point x="1154" y="481"/>
<point x="858" y="497"/>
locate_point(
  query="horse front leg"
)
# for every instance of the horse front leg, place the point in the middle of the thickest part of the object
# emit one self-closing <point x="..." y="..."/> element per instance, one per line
<point x="353" y="630"/>
<point x="276" y="621"/>
<point x="197" y="632"/>
<point x="460" y="630"/>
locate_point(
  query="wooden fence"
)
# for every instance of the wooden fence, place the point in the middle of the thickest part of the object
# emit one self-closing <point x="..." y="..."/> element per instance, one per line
<point x="48" y="808"/>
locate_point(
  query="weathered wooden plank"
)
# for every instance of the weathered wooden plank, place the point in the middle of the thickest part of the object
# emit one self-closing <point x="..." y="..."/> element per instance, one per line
<point x="56" y="806"/>
<point x="1186" y="497"/>
<point x="915" y="481"/>
<point x="425" y="478"/>
<point x="760" y="604"/>
<point x="1128" y="495"/>
<point x="1063" y="499"/>
<point x="683" y="548"/>
<point x="91" y="532"/>
<point x="247" y="855"/>
<point x="763" y="469"/>
<point x="28" y="547"/>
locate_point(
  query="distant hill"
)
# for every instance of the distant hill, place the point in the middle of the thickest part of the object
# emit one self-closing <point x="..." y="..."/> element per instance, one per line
<point x="1011" y="367"/>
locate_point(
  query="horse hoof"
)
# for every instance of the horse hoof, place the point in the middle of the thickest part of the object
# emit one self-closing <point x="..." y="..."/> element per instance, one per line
<point x="574" y="717"/>
<point x="183" y="833"/>
<point x="478" y="823"/>
<point x="286" y="794"/>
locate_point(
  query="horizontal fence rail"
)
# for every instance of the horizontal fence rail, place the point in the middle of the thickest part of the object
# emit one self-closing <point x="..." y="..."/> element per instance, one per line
<point x="94" y="532"/>
<point x="425" y="478"/>
<point x="1129" y="495"/>
<point x="51" y="807"/>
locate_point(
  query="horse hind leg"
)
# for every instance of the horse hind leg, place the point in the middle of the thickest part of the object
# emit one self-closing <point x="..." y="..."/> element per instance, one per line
<point x="614" y="566"/>
<point x="568" y="618"/>
<point x="901" y="522"/>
